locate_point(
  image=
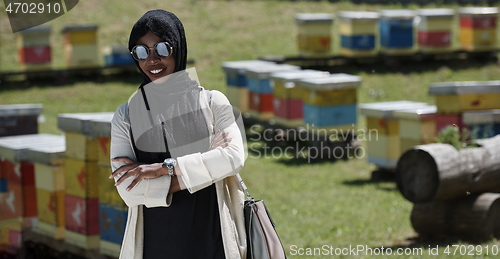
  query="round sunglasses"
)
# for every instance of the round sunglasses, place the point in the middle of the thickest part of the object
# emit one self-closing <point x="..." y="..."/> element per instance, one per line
<point x="161" y="49"/>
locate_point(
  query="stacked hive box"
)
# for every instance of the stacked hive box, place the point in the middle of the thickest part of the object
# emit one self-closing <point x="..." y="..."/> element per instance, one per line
<point x="19" y="119"/>
<point x="358" y="33"/>
<point x="454" y="98"/>
<point x="434" y="30"/>
<point x="287" y="100"/>
<point x="49" y="181"/>
<point x="482" y="124"/>
<point x="236" y="81"/>
<point x="18" y="204"/>
<point x="112" y="209"/>
<point x="416" y="126"/>
<point x="81" y="178"/>
<point x="260" y="91"/>
<point x="34" y="48"/>
<point x="396" y="31"/>
<point x="478" y="28"/>
<point x="314" y="34"/>
<point x="384" y="143"/>
<point x="117" y="55"/>
<point x="330" y="102"/>
<point x="80" y="46"/>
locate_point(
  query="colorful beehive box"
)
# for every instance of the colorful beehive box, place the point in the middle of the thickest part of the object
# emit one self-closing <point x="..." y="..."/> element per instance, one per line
<point x="82" y="222"/>
<point x="454" y="98"/>
<point x="383" y="136"/>
<point x="50" y="186"/>
<point x="478" y="27"/>
<point x="314" y="35"/>
<point x="358" y="33"/>
<point x="417" y="126"/>
<point x="261" y="91"/>
<point x="80" y="46"/>
<point x="34" y="48"/>
<point x="483" y="124"/>
<point x="434" y="29"/>
<point x="19" y="119"/>
<point x="287" y="97"/>
<point x="396" y="31"/>
<point x="236" y="81"/>
<point x="117" y="55"/>
<point x="330" y="102"/>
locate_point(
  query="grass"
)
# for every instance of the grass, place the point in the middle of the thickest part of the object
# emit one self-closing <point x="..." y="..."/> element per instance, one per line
<point x="313" y="204"/>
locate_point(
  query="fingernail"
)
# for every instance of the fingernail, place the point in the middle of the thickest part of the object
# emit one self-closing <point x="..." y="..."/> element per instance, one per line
<point x="111" y="176"/>
<point x="128" y="188"/>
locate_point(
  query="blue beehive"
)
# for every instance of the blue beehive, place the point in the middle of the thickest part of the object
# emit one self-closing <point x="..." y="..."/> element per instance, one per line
<point x="482" y="124"/>
<point x="112" y="222"/>
<point x="259" y="78"/>
<point x="396" y="31"/>
<point x="327" y="116"/>
<point x="235" y="71"/>
<point x="117" y="55"/>
<point x="357" y="33"/>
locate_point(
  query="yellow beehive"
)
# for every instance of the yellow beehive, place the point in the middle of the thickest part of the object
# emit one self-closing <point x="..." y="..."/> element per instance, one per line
<point x="478" y="28"/>
<point x="328" y="97"/>
<point x="103" y="150"/>
<point x="79" y="146"/>
<point x="81" y="55"/>
<point x="50" y="207"/>
<point x="417" y="126"/>
<point x="384" y="141"/>
<point x="50" y="178"/>
<point x="107" y="190"/>
<point x="81" y="178"/>
<point x="314" y="34"/>
<point x="358" y="32"/>
<point x="457" y="97"/>
<point x="238" y="97"/>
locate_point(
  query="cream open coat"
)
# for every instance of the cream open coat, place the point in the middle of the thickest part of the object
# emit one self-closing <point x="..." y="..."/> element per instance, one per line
<point x="198" y="170"/>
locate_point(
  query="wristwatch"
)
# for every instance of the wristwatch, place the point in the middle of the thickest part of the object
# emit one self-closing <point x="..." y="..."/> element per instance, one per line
<point x="170" y="163"/>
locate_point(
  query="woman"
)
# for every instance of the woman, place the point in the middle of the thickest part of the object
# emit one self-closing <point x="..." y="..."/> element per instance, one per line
<point x="175" y="150"/>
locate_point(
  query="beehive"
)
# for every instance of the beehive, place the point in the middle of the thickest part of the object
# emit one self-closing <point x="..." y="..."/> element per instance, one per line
<point x="454" y="98"/>
<point x="434" y="31"/>
<point x="396" y="31"/>
<point x="417" y="126"/>
<point x="478" y="28"/>
<point x="50" y="188"/>
<point x="236" y="81"/>
<point x="116" y="55"/>
<point x="80" y="46"/>
<point x="261" y="91"/>
<point x="34" y="48"/>
<point x="328" y="113"/>
<point x="383" y="136"/>
<point x="19" y="119"/>
<point x="483" y="124"/>
<point x="314" y="34"/>
<point x="358" y="33"/>
<point x="287" y="99"/>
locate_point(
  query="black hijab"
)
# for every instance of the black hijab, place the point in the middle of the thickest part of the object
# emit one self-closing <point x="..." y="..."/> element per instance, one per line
<point x="169" y="28"/>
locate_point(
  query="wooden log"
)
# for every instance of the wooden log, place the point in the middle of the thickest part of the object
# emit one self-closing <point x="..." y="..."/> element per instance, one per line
<point x="472" y="217"/>
<point x="440" y="172"/>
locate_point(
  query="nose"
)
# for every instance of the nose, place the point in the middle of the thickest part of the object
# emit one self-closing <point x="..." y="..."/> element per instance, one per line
<point x="152" y="57"/>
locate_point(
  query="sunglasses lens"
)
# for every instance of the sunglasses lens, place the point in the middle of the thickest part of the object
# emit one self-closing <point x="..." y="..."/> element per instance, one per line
<point x="162" y="49"/>
<point x="140" y="52"/>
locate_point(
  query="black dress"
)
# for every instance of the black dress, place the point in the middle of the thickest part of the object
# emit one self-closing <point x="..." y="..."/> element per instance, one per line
<point x="188" y="229"/>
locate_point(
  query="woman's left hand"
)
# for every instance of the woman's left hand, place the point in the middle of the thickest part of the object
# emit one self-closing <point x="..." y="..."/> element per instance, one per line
<point x="137" y="170"/>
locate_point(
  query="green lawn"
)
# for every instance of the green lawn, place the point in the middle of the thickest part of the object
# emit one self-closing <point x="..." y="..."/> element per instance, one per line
<point x="313" y="204"/>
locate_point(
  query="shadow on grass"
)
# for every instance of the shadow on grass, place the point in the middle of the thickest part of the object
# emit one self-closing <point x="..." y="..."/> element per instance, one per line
<point x="58" y="80"/>
<point x="377" y="177"/>
<point x="409" y="66"/>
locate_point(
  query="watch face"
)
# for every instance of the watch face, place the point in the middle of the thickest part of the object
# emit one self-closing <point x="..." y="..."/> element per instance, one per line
<point x="169" y="161"/>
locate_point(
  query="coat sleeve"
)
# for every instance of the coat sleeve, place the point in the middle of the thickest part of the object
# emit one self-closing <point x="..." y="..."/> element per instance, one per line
<point x="149" y="192"/>
<point x="200" y="170"/>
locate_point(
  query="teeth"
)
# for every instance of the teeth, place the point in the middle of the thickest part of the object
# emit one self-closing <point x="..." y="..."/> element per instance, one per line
<point x="156" y="71"/>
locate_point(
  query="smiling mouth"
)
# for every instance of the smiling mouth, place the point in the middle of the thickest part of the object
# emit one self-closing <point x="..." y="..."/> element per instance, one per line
<point x="156" y="71"/>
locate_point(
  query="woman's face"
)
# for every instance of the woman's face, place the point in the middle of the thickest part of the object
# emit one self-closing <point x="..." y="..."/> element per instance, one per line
<point x="156" y="68"/>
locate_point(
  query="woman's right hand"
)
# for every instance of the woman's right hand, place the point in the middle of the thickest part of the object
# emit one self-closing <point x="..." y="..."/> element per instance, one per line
<point x="220" y="140"/>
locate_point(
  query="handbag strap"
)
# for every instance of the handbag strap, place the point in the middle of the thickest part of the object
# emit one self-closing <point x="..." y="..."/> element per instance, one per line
<point x="244" y="187"/>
